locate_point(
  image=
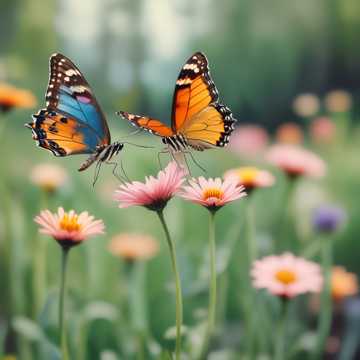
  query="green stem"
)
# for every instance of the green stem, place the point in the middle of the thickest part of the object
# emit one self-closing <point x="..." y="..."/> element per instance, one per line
<point x="326" y="303"/>
<point x="212" y="287"/>
<point x="179" y="307"/>
<point x="280" y="336"/>
<point x="251" y="235"/>
<point x="62" y="323"/>
<point x="137" y="306"/>
<point x="252" y="248"/>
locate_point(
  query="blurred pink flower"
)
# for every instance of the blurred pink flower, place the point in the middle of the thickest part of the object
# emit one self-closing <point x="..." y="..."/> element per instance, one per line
<point x="338" y="101"/>
<point x="322" y="130"/>
<point x="248" y="141"/>
<point x="251" y="177"/>
<point x="286" y="275"/>
<point x="212" y="193"/>
<point x="69" y="228"/>
<point x="306" y="105"/>
<point x="155" y="192"/>
<point x="296" y="161"/>
<point x="289" y="133"/>
<point x="48" y="177"/>
<point x="134" y="246"/>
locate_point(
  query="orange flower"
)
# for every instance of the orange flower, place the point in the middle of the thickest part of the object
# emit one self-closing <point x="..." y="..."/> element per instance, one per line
<point x="289" y="133"/>
<point x="343" y="283"/>
<point x="134" y="246"/>
<point x="11" y="97"/>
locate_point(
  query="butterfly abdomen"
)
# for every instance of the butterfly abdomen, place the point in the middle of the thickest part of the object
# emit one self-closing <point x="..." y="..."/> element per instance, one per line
<point x="177" y="143"/>
<point x="103" y="153"/>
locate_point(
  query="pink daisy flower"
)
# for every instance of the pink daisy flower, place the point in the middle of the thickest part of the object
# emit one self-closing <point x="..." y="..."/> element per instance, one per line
<point x="69" y="228"/>
<point x="155" y="192"/>
<point x="251" y="177"/>
<point x="212" y="193"/>
<point x="286" y="275"/>
<point x="296" y="161"/>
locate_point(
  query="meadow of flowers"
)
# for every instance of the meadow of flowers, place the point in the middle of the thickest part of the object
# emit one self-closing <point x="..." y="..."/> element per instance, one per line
<point x="254" y="259"/>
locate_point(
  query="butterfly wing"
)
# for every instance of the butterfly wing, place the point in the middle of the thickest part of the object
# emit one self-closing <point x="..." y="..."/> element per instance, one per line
<point x="153" y="126"/>
<point x="62" y="135"/>
<point x="73" y="122"/>
<point x="196" y="112"/>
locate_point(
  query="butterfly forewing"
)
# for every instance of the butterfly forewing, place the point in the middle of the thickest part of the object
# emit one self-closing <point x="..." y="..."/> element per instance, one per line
<point x="194" y="91"/>
<point x="69" y="93"/>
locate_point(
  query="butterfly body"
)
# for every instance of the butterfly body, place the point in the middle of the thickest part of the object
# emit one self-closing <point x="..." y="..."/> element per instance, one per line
<point x="198" y="120"/>
<point x="72" y="122"/>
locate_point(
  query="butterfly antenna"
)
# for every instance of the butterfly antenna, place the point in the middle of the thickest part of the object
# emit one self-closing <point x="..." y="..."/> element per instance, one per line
<point x="137" y="145"/>
<point x="137" y="131"/>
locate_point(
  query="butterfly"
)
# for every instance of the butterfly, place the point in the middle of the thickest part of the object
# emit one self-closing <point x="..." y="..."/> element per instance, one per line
<point x="72" y="122"/>
<point x="198" y="120"/>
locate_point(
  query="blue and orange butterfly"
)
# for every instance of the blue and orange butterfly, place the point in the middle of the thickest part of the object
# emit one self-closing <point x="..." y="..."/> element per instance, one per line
<point x="198" y="120"/>
<point x="72" y="122"/>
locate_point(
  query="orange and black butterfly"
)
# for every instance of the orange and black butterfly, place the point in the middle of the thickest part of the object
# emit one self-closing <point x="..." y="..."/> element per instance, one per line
<point x="198" y="120"/>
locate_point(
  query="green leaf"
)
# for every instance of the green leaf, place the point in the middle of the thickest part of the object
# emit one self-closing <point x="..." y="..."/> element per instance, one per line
<point x="27" y="328"/>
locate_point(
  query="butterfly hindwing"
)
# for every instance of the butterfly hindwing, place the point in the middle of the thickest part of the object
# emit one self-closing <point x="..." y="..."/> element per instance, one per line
<point x="209" y="128"/>
<point x="60" y="134"/>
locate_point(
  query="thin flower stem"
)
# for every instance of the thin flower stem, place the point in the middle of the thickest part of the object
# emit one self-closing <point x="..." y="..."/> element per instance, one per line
<point x="252" y="248"/>
<point x="62" y="323"/>
<point x="212" y="287"/>
<point x="40" y="267"/>
<point x="137" y="306"/>
<point x="280" y="336"/>
<point x="326" y="304"/>
<point x="179" y="306"/>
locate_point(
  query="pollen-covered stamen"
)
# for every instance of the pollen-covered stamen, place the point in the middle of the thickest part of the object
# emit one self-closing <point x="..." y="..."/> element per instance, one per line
<point x="285" y="276"/>
<point x="70" y="223"/>
<point x="213" y="193"/>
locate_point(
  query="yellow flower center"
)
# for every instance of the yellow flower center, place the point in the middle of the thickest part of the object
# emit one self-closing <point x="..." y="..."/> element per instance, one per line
<point x="286" y="276"/>
<point x="70" y="223"/>
<point x="213" y="193"/>
<point x="248" y="175"/>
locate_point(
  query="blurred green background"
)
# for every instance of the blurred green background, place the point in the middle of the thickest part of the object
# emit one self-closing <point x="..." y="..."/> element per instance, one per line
<point x="261" y="55"/>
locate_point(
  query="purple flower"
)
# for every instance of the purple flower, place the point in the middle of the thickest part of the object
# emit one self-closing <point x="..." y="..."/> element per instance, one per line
<point x="328" y="218"/>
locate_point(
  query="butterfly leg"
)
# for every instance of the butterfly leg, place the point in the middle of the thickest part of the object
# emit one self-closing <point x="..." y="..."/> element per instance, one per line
<point x="119" y="177"/>
<point x="165" y="151"/>
<point x="194" y="161"/>
<point x="97" y="172"/>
